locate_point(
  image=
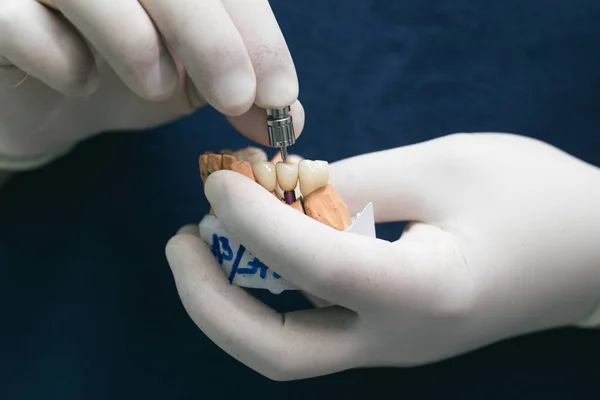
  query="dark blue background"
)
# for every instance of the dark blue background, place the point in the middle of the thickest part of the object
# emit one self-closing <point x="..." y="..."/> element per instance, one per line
<point x="89" y="308"/>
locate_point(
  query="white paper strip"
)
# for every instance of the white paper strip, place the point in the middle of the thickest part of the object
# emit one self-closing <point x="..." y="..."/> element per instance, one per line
<point x="245" y="270"/>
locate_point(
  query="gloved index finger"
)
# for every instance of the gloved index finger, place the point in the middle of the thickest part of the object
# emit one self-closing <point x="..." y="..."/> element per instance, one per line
<point x="417" y="182"/>
<point x="277" y="83"/>
<point x="210" y="48"/>
<point x="125" y="36"/>
<point x="333" y="265"/>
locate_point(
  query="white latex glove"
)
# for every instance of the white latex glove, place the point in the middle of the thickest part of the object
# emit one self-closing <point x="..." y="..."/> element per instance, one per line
<point x="111" y="65"/>
<point x="504" y="242"/>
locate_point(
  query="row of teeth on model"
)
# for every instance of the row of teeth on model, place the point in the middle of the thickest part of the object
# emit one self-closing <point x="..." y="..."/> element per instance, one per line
<point x="308" y="175"/>
<point x="305" y="177"/>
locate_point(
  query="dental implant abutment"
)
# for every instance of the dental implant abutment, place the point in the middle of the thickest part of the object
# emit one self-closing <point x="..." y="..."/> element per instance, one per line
<point x="289" y="197"/>
<point x="281" y="129"/>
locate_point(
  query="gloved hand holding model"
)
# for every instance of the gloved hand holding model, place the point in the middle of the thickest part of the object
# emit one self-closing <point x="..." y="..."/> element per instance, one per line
<point x="70" y="69"/>
<point x="503" y="241"/>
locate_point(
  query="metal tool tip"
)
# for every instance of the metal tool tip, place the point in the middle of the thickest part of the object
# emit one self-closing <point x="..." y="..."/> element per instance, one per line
<point x="284" y="154"/>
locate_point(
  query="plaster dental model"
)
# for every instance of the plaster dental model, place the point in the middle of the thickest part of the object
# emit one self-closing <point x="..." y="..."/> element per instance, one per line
<point x="318" y="200"/>
<point x="301" y="184"/>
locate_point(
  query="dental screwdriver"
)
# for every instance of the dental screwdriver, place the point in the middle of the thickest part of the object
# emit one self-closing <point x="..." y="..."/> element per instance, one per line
<point x="281" y="135"/>
<point x="281" y="129"/>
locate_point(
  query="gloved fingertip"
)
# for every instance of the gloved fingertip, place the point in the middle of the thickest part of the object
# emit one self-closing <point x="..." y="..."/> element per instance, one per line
<point x="82" y="84"/>
<point x="277" y="90"/>
<point x="155" y="80"/>
<point x="297" y="111"/>
<point x="218" y="186"/>
<point x="253" y="124"/>
<point x="234" y="93"/>
<point x="173" y="252"/>
<point x="190" y="229"/>
<point x="181" y="248"/>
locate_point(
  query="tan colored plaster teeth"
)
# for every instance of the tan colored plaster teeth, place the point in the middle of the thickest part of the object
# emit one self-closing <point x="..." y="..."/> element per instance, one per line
<point x="326" y="206"/>
<point x="228" y="160"/>
<point x="203" y="162"/>
<point x="244" y="168"/>
<point x="215" y="162"/>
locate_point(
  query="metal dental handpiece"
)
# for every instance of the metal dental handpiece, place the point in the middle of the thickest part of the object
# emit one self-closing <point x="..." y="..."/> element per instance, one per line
<point x="281" y="129"/>
<point x="281" y="135"/>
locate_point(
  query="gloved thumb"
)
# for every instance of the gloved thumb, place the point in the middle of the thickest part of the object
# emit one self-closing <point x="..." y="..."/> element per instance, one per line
<point x="296" y="345"/>
<point x="311" y="255"/>
<point x="409" y="183"/>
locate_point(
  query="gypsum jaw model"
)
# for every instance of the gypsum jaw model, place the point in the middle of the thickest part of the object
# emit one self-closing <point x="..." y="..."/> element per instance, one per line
<point x="319" y="200"/>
